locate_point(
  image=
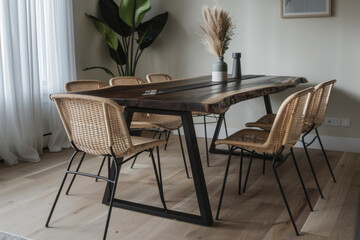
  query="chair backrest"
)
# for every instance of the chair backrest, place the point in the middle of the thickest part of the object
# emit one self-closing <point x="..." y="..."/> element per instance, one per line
<point x="83" y="85"/>
<point x="94" y="124"/>
<point x="157" y="77"/>
<point x="318" y="104"/>
<point x="128" y="80"/>
<point x="287" y="127"/>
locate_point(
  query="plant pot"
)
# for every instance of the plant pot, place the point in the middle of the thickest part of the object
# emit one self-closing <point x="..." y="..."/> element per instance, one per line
<point x="219" y="70"/>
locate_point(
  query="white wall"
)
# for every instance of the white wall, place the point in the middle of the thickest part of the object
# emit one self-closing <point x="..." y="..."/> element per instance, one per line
<point x="317" y="48"/>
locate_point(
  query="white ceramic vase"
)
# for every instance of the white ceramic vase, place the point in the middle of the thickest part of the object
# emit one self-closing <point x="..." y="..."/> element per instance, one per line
<point x="219" y="70"/>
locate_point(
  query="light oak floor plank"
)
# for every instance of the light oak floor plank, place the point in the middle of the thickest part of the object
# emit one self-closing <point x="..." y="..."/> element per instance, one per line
<point x="27" y="191"/>
<point x="328" y="209"/>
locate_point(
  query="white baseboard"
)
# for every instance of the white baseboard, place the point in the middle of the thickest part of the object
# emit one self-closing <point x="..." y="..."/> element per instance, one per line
<point x="335" y="143"/>
<point x="329" y="142"/>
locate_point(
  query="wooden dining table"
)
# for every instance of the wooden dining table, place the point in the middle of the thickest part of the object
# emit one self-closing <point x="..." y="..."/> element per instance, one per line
<point x="182" y="97"/>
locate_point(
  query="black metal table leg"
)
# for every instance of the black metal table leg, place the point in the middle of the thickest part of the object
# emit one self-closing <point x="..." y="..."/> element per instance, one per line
<point x="268" y="104"/>
<point x="197" y="170"/>
<point x="205" y="217"/>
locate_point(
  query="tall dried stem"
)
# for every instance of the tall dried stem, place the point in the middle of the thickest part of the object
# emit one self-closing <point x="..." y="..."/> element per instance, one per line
<point x="218" y="28"/>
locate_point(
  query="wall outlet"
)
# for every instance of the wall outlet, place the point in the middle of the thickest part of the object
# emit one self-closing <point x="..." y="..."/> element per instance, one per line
<point x="345" y="122"/>
<point x="332" y="121"/>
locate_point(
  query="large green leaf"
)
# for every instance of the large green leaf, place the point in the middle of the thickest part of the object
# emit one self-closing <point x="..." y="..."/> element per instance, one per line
<point x="132" y="12"/>
<point x="119" y="55"/>
<point x="110" y="12"/>
<point x="106" y="32"/>
<point x="103" y="68"/>
<point x="150" y="30"/>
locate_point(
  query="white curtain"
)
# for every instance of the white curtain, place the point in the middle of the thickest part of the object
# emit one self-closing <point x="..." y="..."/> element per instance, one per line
<point x="36" y="59"/>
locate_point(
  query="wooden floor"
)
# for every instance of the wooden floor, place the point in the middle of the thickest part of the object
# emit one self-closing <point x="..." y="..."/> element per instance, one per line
<point x="27" y="192"/>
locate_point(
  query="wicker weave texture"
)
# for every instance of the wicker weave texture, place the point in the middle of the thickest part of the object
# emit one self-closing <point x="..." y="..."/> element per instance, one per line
<point x="322" y="101"/>
<point x="285" y="132"/>
<point x="157" y="77"/>
<point x="249" y="135"/>
<point x="315" y="114"/>
<point x="128" y="80"/>
<point x="88" y="120"/>
<point x="95" y="124"/>
<point x="83" y="85"/>
<point x="265" y="122"/>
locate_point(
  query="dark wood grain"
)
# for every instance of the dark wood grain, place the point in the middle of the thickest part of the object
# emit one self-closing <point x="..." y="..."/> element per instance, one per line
<point x="196" y="94"/>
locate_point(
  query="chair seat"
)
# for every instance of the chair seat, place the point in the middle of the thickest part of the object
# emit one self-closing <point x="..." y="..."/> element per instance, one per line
<point x="143" y="143"/>
<point x="251" y="139"/>
<point x="167" y="122"/>
<point x="139" y="144"/>
<point x="264" y="122"/>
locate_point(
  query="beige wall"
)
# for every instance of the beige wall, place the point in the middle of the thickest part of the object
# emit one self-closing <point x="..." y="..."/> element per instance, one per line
<point x="90" y="49"/>
<point x="318" y="48"/>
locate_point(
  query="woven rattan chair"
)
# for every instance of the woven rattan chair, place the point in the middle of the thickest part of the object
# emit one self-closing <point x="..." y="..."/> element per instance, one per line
<point x="97" y="126"/>
<point x="78" y="86"/>
<point x="147" y="121"/>
<point x="83" y="85"/>
<point x="127" y="80"/>
<point x="160" y="77"/>
<point x="157" y="77"/>
<point x="314" y="118"/>
<point x="283" y="136"/>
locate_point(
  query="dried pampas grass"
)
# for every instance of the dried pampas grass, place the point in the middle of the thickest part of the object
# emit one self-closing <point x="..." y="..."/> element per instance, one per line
<point x="218" y="28"/>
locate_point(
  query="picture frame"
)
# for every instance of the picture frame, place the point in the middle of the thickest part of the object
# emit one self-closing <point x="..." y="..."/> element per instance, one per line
<point x="305" y="8"/>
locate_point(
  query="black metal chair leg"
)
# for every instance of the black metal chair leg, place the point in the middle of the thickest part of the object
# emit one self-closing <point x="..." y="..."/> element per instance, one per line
<point x="159" y="165"/>
<point x="225" y="126"/>
<point x="167" y="140"/>
<point x="326" y="158"/>
<point x="165" y="131"/>
<point x="282" y="193"/>
<point x="156" y="133"/>
<point x="109" y="172"/>
<point x="248" y="171"/>
<point x="77" y="169"/>
<point x="301" y="180"/>
<point x="116" y="177"/>
<point x="224" y="183"/>
<point x="101" y="166"/>
<point x="183" y="154"/>
<point x="133" y="163"/>
<point x="206" y="143"/>
<point x="161" y="133"/>
<point x="311" y="166"/>
<point x="240" y="171"/>
<point x="61" y="187"/>
<point x="264" y="160"/>
<point x="158" y="178"/>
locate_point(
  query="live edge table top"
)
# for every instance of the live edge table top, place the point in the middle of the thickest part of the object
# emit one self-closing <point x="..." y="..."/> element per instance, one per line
<point x="196" y="94"/>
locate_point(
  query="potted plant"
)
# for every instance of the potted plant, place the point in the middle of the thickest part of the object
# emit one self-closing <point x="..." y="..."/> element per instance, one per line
<point x="124" y="33"/>
<point x="218" y="29"/>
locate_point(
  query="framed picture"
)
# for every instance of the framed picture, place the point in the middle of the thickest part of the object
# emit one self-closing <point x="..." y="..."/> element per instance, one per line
<point x="305" y="8"/>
